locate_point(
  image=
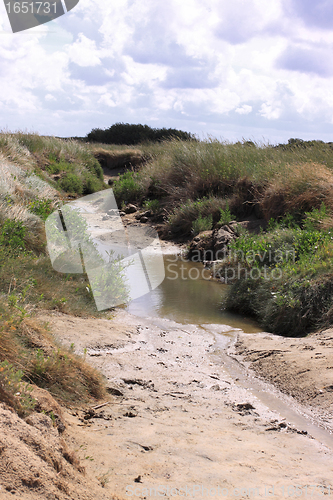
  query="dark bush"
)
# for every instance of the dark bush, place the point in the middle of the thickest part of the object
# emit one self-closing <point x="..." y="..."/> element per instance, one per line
<point x="126" y="133"/>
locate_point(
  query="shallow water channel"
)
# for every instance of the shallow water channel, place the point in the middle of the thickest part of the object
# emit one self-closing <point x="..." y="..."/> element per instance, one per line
<point x="189" y="296"/>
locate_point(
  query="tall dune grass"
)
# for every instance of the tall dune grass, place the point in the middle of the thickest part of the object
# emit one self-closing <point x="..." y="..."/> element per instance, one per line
<point x="254" y="178"/>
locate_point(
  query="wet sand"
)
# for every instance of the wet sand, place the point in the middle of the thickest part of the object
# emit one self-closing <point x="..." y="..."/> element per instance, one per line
<point x="178" y="424"/>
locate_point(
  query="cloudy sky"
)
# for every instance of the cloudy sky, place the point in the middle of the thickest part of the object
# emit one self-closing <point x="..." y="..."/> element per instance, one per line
<point x="253" y="69"/>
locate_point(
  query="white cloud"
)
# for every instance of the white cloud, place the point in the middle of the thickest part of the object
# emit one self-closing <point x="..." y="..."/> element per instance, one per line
<point x="84" y="52"/>
<point x="271" y="111"/>
<point x="244" y="110"/>
<point x="217" y="65"/>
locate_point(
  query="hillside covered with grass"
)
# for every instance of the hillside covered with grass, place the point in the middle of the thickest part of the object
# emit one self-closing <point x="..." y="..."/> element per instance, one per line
<point x="38" y="174"/>
<point x="203" y="185"/>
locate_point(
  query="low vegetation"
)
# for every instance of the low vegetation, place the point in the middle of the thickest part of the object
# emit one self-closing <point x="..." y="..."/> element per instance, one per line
<point x="202" y="185"/>
<point x="189" y="186"/>
<point x="29" y="193"/>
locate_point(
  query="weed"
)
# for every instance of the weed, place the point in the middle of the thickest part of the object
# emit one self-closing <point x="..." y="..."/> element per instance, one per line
<point x="202" y="224"/>
<point x="226" y="215"/>
<point x="315" y="219"/>
<point x="104" y="478"/>
<point x="71" y="183"/>
<point x="127" y="187"/>
<point x="14" y="391"/>
<point x="43" y="208"/>
<point x="153" y="205"/>
<point x="12" y="233"/>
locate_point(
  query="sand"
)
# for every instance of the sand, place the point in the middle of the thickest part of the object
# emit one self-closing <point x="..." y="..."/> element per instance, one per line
<point x="179" y="424"/>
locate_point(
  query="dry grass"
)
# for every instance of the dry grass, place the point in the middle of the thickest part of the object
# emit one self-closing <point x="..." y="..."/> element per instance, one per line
<point x="30" y="347"/>
<point x="255" y="179"/>
<point x="297" y="189"/>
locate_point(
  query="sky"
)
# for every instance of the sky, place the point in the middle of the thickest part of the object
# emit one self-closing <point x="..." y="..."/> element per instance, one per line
<point x="247" y="69"/>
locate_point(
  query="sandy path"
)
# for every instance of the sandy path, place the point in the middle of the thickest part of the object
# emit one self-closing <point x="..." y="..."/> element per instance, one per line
<point x="180" y="421"/>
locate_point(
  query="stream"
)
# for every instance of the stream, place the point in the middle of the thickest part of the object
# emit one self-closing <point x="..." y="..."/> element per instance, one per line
<point x="188" y="296"/>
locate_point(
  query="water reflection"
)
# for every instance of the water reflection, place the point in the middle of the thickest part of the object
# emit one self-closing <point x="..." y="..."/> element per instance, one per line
<point x="187" y="295"/>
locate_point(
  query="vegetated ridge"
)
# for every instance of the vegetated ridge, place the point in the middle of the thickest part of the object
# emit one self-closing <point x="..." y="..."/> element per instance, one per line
<point x="283" y="275"/>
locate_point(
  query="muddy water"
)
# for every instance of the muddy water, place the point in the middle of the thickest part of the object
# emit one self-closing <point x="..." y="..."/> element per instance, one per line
<point x="189" y="296"/>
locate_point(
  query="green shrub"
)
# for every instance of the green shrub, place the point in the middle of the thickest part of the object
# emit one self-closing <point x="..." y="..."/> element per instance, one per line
<point x="202" y="224"/>
<point x="127" y="187"/>
<point x="283" y="278"/>
<point x="153" y="205"/>
<point x="93" y="166"/>
<point x="42" y="208"/>
<point x="71" y="183"/>
<point x="12" y="233"/>
<point x="226" y="215"/>
<point x="126" y="133"/>
<point x="315" y="218"/>
<point x="183" y="216"/>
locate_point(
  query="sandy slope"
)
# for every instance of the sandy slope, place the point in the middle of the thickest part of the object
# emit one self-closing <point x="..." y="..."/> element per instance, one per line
<point x="179" y="420"/>
<point x="299" y="367"/>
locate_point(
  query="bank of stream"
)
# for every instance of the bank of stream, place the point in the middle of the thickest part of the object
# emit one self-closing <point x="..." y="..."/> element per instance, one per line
<point x="188" y="295"/>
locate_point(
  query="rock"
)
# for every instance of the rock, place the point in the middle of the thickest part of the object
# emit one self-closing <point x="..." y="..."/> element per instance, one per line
<point x="106" y="217"/>
<point x="201" y="247"/>
<point x="122" y="214"/>
<point x="222" y="238"/>
<point x="144" y="219"/>
<point x="253" y="226"/>
<point x="114" y="391"/>
<point x="130" y="209"/>
<point x="113" y="212"/>
<point x="147" y="213"/>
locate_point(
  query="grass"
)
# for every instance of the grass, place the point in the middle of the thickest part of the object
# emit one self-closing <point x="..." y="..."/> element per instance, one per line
<point x="198" y="185"/>
<point x="68" y="165"/>
<point x="205" y="184"/>
<point x="252" y="178"/>
<point x="283" y="277"/>
<point x="29" y="353"/>
<point x="29" y="193"/>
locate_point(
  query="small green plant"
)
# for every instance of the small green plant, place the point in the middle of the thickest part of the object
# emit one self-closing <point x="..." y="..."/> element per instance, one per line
<point x="42" y="208"/>
<point x="315" y="218"/>
<point x="12" y="233"/>
<point x="127" y="187"/>
<point x="104" y="478"/>
<point x="202" y="224"/>
<point x="14" y="391"/>
<point x="91" y="184"/>
<point x="226" y="216"/>
<point x="153" y="205"/>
